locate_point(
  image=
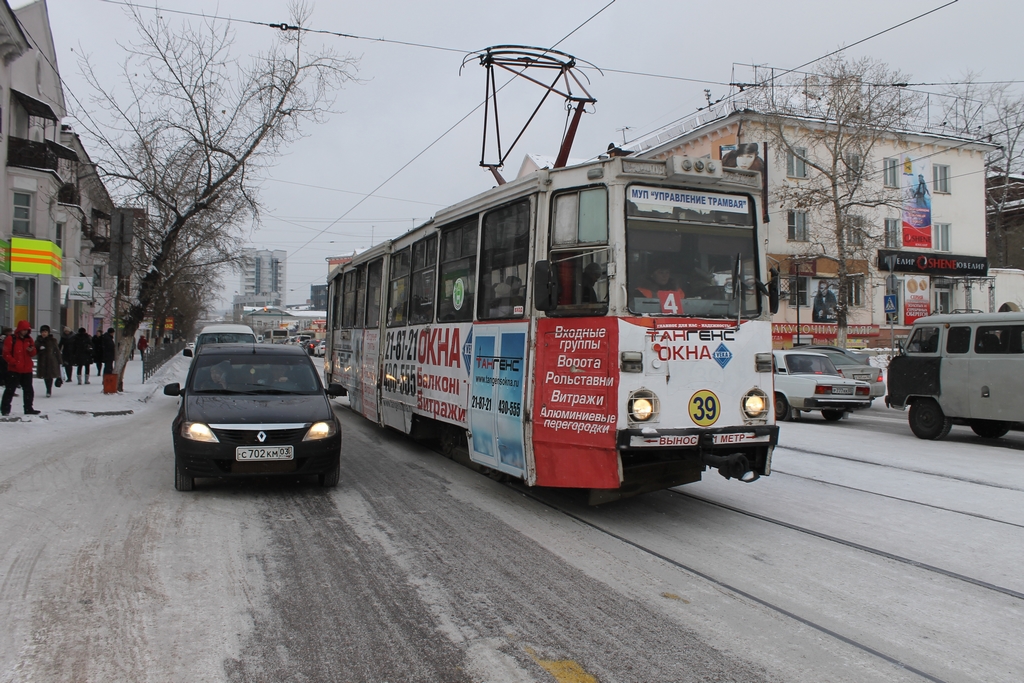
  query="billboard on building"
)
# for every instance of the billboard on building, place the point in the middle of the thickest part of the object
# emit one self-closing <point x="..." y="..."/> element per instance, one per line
<point x="917" y="202"/>
<point x="80" y="288"/>
<point x="747" y="155"/>
<point x="823" y="307"/>
<point x="916" y="298"/>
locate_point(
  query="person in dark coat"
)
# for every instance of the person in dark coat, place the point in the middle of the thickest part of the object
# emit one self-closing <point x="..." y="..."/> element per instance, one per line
<point x="97" y="352"/>
<point x="48" y="359"/>
<point x="109" y="351"/>
<point x="143" y="345"/>
<point x="81" y="350"/>
<point x="66" y="337"/>
<point x="19" y="349"/>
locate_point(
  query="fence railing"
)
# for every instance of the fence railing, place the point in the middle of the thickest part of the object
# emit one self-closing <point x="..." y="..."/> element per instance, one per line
<point x="156" y="356"/>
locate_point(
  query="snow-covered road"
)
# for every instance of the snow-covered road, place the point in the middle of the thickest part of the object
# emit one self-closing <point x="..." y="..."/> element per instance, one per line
<point x="868" y="555"/>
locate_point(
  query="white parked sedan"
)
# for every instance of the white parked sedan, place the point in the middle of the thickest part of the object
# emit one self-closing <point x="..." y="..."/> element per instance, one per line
<point x="809" y="381"/>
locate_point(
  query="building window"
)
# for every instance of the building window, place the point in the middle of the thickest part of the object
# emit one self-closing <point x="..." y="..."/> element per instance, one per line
<point x="97" y="277"/>
<point x="25" y="300"/>
<point x="855" y="291"/>
<point x="798" y="291"/>
<point x="942" y="237"/>
<point x="59" y="235"/>
<point x="797" y="226"/>
<point x="940" y="176"/>
<point x="855" y="231"/>
<point x="22" y="224"/>
<point x="891" y="172"/>
<point x="854" y="166"/>
<point x="892" y="232"/>
<point x="796" y="167"/>
<point x="943" y="300"/>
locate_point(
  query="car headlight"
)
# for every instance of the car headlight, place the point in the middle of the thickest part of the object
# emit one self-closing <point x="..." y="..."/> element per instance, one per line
<point x="643" y="406"/>
<point x="754" y="404"/>
<point x="197" y="431"/>
<point x="320" y="430"/>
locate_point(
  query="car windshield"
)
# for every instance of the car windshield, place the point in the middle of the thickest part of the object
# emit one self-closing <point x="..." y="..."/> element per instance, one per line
<point x="226" y="338"/>
<point x="254" y="374"/>
<point x="799" y="364"/>
<point x="683" y="252"/>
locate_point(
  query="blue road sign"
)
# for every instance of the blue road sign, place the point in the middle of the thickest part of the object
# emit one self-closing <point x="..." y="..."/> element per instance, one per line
<point x="890" y="303"/>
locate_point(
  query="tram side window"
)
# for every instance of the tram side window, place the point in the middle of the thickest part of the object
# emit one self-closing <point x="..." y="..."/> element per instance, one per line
<point x="456" y="283"/>
<point x="424" y="265"/>
<point x="373" y="286"/>
<point x="360" y="296"/>
<point x="335" y="298"/>
<point x="579" y="252"/>
<point x="504" y="251"/>
<point x="924" y="340"/>
<point x="348" y="316"/>
<point x="398" y="291"/>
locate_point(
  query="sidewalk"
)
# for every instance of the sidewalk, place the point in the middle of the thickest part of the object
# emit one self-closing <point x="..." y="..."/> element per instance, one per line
<point x="75" y="407"/>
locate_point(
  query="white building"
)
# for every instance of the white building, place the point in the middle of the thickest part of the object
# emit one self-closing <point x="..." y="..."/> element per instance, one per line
<point x="264" y="277"/>
<point x="948" y="272"/>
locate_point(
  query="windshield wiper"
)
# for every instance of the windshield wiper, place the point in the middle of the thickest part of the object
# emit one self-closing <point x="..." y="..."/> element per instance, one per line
<point x="272" y="390"/>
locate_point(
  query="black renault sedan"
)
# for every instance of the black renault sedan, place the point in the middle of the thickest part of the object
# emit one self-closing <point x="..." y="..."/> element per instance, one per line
<point x="254" y="410"/>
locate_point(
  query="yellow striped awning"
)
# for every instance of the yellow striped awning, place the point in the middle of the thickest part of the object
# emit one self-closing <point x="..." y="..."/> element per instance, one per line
<point x="41" y="257"/>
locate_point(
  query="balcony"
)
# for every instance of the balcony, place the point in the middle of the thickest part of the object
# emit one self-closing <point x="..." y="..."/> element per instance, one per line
<point x="42" y="155"/>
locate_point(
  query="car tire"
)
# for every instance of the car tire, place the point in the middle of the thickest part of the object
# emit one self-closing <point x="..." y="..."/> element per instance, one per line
<point x="927" y="420"/>
<point x="990" y="429"/>
<point x="781" y="408"/>
<point x="182" y="482"/>
<point x="833" y="415"/>
<point x="331" y="477"/>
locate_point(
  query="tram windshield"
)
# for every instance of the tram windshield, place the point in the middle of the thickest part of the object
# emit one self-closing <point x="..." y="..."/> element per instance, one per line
<point x="682" y="250"/>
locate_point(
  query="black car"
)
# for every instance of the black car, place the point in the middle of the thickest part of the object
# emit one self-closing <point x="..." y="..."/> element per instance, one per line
<point x="254" y="410"/>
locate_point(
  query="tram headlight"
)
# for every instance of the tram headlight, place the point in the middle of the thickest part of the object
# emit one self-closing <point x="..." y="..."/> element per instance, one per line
<point x="643" y="406"/>
<point x="755" y="405"/>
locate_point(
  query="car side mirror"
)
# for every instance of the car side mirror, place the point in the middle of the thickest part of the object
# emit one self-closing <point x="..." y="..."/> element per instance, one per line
<point x="187" y="353"/>
<point x="172" y="389"/>
<point x="545" y="287"/>
<point x="335" y="389"/>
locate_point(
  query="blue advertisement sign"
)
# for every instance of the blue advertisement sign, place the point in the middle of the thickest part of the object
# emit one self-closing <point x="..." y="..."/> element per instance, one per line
<point x="496" y="403"/>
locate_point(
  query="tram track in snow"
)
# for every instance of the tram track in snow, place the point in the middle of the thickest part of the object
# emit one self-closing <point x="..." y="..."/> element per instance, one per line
<point x="729" y="587"/>
<point x="776" y="471"/>
<point x="913" y="470"/>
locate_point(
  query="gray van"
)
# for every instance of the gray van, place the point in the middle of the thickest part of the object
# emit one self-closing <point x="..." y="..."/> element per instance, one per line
<point x="961" y="368"/>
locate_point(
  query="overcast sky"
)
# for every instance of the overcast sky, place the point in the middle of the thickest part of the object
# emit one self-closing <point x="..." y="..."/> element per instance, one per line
<point x="408" y="96"/>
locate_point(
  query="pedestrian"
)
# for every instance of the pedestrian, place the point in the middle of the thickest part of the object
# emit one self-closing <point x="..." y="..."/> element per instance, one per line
<point x="97" y="353"/>
<point x="48" y="359"/>
<point x="143" y="345"/>
<point x="4" y="334"/>
<point x="19" y="349"/>
<point x="109" y="351"/>
<point x="66" y="339"/>
<point x="81" y="349"/>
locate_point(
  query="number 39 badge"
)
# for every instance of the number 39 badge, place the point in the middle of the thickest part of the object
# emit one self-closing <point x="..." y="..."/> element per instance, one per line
<point x="704" y="409"/>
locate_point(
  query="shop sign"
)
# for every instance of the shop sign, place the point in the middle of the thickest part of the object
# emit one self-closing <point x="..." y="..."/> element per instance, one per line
<point x="931" y="263"/>
<point x="782" y="331"/>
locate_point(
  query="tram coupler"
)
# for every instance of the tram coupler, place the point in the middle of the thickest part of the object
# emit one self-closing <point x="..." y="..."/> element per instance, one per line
<point x="734" y="465"/>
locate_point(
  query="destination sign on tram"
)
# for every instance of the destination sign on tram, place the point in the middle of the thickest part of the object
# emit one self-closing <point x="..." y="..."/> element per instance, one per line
<point x="690" y="200"/>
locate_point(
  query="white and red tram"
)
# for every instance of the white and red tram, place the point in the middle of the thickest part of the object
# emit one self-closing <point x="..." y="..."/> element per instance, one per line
<point x="603" y="326"/>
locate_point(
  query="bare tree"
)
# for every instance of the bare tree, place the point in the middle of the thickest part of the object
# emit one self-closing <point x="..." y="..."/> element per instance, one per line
<point x="830" y="127"/>
<point x="188" y="134"/>
<point x="995" y="113"/>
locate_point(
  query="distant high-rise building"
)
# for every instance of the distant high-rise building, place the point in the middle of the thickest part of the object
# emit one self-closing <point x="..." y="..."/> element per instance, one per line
<point x="264" y="274"/>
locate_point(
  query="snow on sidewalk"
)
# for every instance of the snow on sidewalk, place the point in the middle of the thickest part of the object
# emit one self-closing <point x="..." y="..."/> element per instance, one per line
<point x="74" y="407"/>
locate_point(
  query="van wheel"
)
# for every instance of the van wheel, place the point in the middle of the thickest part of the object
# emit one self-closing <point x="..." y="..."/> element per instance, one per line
<point x="990" y="429"/>
<point x="832" y="415"/>
<point x="927" y="420"/>
<point x="781" y="408"/>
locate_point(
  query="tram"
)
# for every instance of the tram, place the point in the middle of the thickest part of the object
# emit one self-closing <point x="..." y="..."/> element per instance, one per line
<point x="604" y="326"/>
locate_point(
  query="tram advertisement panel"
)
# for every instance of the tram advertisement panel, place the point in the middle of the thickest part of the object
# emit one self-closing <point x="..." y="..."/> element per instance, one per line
<point x="370" y="357"/>
<point x="496" y="404"/>
<point x="426" y="371"/>
<point x="574" y="407"/>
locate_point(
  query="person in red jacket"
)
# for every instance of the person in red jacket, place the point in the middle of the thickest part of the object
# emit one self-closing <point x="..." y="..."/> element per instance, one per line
<point x="19" y="349"/>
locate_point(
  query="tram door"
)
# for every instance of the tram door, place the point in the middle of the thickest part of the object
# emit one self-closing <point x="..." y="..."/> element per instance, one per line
<point x="496" y="397"/>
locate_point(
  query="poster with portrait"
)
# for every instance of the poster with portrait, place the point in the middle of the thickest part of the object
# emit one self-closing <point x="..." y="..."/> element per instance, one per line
<point x="748" y="156"/>
<point x="917" y="296"/>
<point x="917" y="202"/>
<point x="825" y="300"/>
